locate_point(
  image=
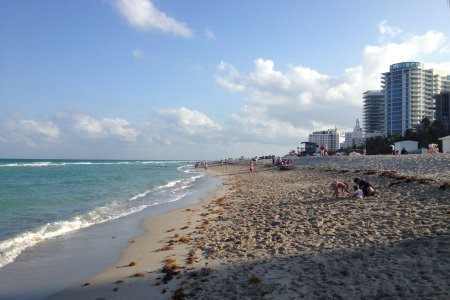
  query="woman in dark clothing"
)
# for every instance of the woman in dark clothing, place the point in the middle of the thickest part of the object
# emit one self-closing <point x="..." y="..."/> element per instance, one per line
<point x="366" y="187"/>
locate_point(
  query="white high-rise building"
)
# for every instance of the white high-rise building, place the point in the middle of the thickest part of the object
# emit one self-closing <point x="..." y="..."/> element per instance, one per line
<point x="374" y="111"/>
<point x="408" y="89"/>
<point x="331" y="138"/>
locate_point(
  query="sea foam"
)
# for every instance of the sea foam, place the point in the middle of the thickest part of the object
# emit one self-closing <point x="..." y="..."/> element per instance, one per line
<point x="173" y="190"/>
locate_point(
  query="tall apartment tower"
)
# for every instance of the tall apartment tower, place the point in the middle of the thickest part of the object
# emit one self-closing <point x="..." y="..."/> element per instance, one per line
<point x="373" y="113"/>
<point x="443" y="109"/>
<point x="409" y="90"/>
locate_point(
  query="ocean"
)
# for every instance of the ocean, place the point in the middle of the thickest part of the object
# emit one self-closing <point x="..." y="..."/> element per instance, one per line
<point x="46" y="200"/>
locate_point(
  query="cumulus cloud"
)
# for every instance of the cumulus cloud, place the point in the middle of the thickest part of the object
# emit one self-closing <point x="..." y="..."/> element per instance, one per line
<point x="120" y="128"/>
<point x="253" y="124"/>
<point x="80" y="132"/>
<point x="295" y="101"/>
<point x="86" y="126"/>
<point x="188" y="121"/>
<point x="265" y="85"/>
<point x="28" y="132"/>
<point x="46" y="129"/>
<point x="228" y="77"/>
<point x="415" y="48"/>
<point x="386" y="29"/>
<point x="143" y="15"/>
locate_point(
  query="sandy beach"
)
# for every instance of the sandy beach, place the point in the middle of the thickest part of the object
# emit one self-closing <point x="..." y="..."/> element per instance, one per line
<point x="281" y="235"/>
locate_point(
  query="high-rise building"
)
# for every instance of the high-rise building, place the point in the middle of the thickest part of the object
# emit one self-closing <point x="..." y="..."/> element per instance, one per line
<point x="408" y="89"/>
<point x="443" y="109"/>
<point x="446" y="85"/>
<point x="331" y="138"/>
<point x="373" y="113"/>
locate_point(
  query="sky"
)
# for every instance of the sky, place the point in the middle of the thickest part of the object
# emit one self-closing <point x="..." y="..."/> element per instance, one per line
<point x="176" y="79"/>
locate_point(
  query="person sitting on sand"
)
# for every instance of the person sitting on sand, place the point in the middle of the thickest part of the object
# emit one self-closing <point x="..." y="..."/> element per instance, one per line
<point x="339" y="185"/>
<point x="366" y="187"/>
<point x="358" y="192"/>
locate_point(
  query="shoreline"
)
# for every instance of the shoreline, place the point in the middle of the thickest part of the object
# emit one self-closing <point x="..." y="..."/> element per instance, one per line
<point x="134" y="274"/>
<point x="280" y="234"/>
<point x="59" y="263"/>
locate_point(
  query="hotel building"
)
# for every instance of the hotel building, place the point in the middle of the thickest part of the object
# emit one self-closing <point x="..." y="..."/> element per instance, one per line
<point x="331" y="138"/>
<point x="408" y="89"/>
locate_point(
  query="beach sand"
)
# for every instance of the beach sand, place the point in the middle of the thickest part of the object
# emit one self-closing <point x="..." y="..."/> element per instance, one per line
<point x="281" y="235"/>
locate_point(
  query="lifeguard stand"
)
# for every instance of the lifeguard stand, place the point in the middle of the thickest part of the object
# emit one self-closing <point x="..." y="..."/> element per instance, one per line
<point x="310" y="149"/>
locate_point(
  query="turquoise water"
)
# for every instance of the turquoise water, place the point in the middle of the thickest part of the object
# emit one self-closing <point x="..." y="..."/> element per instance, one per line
<point x="43" y="199"/>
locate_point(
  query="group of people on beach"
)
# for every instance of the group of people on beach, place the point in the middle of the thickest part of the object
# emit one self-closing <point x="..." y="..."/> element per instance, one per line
<point x="203" y="164"/>
<point x="280" y="161"/>
<point x="396" y="152"/>
<point x="361" y="188"/>
<point x="276" y="162"/>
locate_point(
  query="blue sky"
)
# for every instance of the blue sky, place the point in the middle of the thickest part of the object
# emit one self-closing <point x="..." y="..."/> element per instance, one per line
<point x="171" y="79"/>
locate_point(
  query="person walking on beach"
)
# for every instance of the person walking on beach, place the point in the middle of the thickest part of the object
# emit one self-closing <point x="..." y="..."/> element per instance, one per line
<point x="251" y="167"/>
<point x="366" y="187"/>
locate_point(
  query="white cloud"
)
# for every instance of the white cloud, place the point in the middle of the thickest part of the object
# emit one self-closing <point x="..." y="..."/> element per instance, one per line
<point x="442" y="68"/>
<point x="264" y="75"/>
<point x="88" y="124"/>
<point x="254" y="124"/>
<point x="143" y="15"/>
<point x="264" y="85"/>
<point x="78" y="134"/>
<point x="139" y="54"/>
<point x="189" y="121"/>
<point x="228" y="76"/>
<point x="120" y="128"/>
<point x="386" y="29"/>
<point x="28" y="133"/>
<point x="104" y="128"/>
<point x="47" y="129"/>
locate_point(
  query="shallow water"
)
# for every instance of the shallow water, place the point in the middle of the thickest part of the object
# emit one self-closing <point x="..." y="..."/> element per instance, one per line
<point x="48" y="261"/>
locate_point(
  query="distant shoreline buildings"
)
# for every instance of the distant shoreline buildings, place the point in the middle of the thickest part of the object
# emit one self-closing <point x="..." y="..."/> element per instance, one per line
<point x="409" y="92"/>
<point x="334" y="139"/>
